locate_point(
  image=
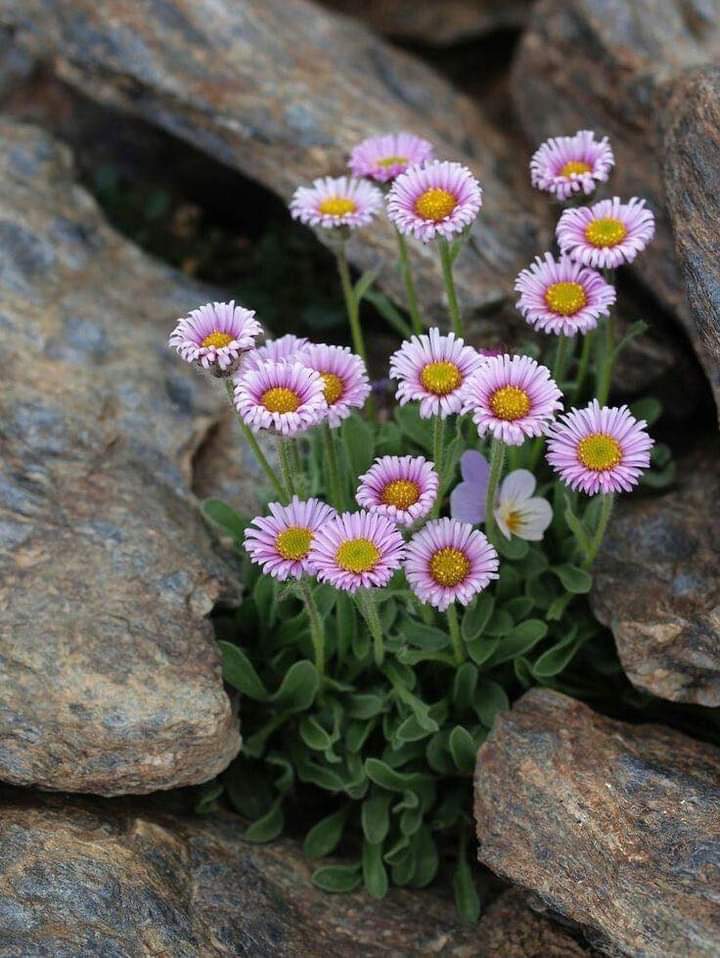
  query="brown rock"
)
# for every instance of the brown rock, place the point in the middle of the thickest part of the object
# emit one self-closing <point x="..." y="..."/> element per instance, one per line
<point x="656" y="586"/>
<point x="110" y="678"/>
<point x="609" y="66"/>
<point x="511" y="929"/>
<point x="282" y="90"/>
<point x="616" y="827"/>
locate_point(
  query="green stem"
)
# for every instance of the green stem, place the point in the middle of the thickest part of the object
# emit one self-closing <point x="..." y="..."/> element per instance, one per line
<point x="438" y="450"/>
<point x="406" y="269"/>
<point x="562" y="356"/>
<point x="607" y="361"/>
<point x="607" y="500"/>
<point x="257" y="451"/>
<point x="337" y="497"/>
<point x="583" y="366"/>
<point x="286" y="466"/>
<point x="317" y="630"/>
<point x="456" y="638"/>
<point x="368" y="610"/>
<point x="454" y="308"/>
<point x="497" y="457"/>
<point x="351" y="304"/>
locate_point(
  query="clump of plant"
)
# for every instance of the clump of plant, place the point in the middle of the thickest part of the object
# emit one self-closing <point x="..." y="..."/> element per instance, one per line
<point x="383" y="630"/>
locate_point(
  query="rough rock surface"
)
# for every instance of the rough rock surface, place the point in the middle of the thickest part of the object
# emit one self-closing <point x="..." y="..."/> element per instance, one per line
<point x="281" y="90"/>
<point x="110" y="679"/>
<point x="616" y="827"/>
<point x="610" y="65"/>
<point x="656" y="586"/>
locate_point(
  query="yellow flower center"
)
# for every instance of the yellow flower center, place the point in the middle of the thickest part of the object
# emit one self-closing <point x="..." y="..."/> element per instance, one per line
<point x="294" y="543"/>
<point x="217" y="339"/>
<point x="449" y="567"/>
<point x="280" y="399"/>
<point x="441" y="377"/>
<point x="605" y="232"/>
<point x="393" y="161"/>
<point x="510" y="402"/>
<point x="401" y="493"/>
<point x="565" y="298"/>
<point x="435" y="204"/>
<point x="599" y="452"/>
<point x="333" y="388"/>
<point x="337" y="206"/>
<point x="575" y="166"/>
<point x="357" y="555"/>
<point x="513" y="520"/>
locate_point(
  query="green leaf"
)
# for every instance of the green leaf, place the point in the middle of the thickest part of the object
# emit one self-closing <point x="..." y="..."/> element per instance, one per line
<point x="500" y="624"/>
<point x="464" y="685"/>
<point x="557" y="657"/>
<point x="423" y="636"/>
<point x="325" y="597"/>
<point x="324" y="837"/>
<point x="314" y="735"/>
<point x="410" y="730"/>
<point x="346" y="624"/>
<point x="268" y="827"/>
<point x="637" y="329"/>
<point x="224" y="516"/>
<point x="482" y="650"/>
<point x="389" y="440"/>
<point x="358" y="440"/>
<point x="463" y="749"/>
<point x="298" y="689"/>
<point x="364" y="283"/>
<point x="337" y="878"/>
<point x="514" y="548"/>
<point x="239" y="672"/>
<point x="209" y="794"/>
<point x="415" y="428"/>
<point x="357" y="734"/>
<point x="264" y="596"/>
<point x="477" y="616"/>
<point x="556" y="609"/>
<point x="375" y="817"/>
<point x="381" y="774"/>
<point x="467" y="900"/>
<point x="574" y="579"/>
<point x="519" y="607"/>
<point x="365" y="706"/>
<point x="648" y="408"/>
<point x="522" y="638"/>
<point x="389" y="313"/>
<point x="374" y="873"/>
<point x="321" y="776"/>
<point x="490" y="699"/>
<point x="426" y="858"/>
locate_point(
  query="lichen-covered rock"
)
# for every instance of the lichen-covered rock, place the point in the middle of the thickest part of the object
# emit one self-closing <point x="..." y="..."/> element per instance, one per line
<point x="614" y="826"/>
<point x="281" y="90"/>
<point x="656" y="586"/>
<point x="110" y="679"/>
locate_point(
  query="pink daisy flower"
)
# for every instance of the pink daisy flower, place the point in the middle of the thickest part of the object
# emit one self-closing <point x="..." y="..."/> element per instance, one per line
<point x="564" y="165"/>
<point x="332" y="202"/>
<point x="449" y="561"/>
<point x="280" y="542"/>
<point x="285" y="397"/>
<point x="282" y="350"/>
<point x="384" y="157"/>
<point x="562" y="296"/>
<point x="433" y="369"/>
<point x="404" y="488"/>
<point x="607" y="234"/>
<point x="439" y="199"/>
<point x="357" y="550"/>
<point x="599" y="449"/>
<point x="344" y="377"/>
<point x="512" y="398"/>
<point x="216" y="334"/>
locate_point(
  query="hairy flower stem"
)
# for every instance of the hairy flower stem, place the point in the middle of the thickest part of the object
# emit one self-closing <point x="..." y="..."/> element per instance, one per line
<point x="406" y="269"/>
<point x="438" y="450"/>
<point x="497" y="458"/>
<point x="351" y="303"/>
<point x="606" y="506"/>
<point x="257" y="451"/>
<point x="368" y="610"/>
<point x="337" y="496"/>
<point x="563" y="354"/>
<point x="455" y="637"/>
<point x="583" y="365"/>
<point x="606" y="361"/>
<point x="284" y="450"/>
<point x="317" y="629"/>
<point x="454" y="308"/>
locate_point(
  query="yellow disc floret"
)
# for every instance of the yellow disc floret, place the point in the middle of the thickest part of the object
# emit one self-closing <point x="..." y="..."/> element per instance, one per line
<point x="217" y="339"/>
<point x="441" y="377"/>
<point x="294" y="543"/>
<point x="565" y="298"/>
<point x="337" y="206"/>
<point x="435" y="204"/>
<point x="357" y="555"/>
<point x="333" y="388"/>
<point x="449" y="567"/>
<point x="393" y="161"/>
<point x="401" y="493"/>
<point x="599" y="452"/>
<point x="607" y="231"/>
<point x="510" y="403"/>
<point x="280" y="399"/>
<point x="575" y="166"/>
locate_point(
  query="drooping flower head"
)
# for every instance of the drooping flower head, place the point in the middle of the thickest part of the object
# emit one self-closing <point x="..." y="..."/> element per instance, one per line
<point x="384" y="157"/>
<point x="216" y="335"/>
<point x="432" y="370"/>
<point x="607" y="234"/>
<point x="512" y="398"/>
<point x="332" y="202"/>
<point x="439" y="199"/>
<point x="285" y="397"/>
<point x="449" y="561"/>
<point x="282" y="350"/>
<point x="357" y="550"/>
<point x="599" y="449"/>
<point x="280" y="542"/>
<point x="520" y="513"/>
<point x="404" y="488"/>
<point x="564" y="165"/>
<point x="562" y="296"/>
<point x="344" y="377"/>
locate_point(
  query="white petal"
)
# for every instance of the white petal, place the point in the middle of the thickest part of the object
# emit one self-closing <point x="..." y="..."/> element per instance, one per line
<point x="500" y="515"/>
<point x="517" y="487"/>
<point x="536" y="516"/>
